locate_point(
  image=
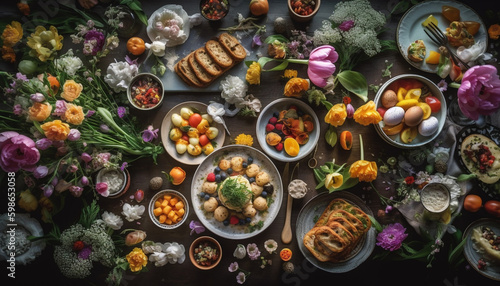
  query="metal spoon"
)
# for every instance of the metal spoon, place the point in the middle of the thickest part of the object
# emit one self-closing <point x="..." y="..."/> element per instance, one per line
<point x="313" y="162"/>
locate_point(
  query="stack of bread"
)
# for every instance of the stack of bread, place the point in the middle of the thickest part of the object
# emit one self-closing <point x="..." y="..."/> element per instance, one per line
<point x="337" y="231"/>
<point x="205" y="64"/>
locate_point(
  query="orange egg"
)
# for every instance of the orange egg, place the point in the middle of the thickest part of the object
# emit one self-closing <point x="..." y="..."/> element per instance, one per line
<point x="414" y="115"/>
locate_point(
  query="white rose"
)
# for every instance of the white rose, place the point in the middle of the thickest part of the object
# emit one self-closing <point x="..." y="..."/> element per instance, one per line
<point x="119" y="75"/>
<point x="157" y="47"/>
<point x="111" y="220"/>
<point x="159" y="258"/>
<point x="132" y="213"/>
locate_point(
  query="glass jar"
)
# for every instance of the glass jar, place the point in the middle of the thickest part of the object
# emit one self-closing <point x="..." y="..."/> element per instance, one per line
<point x="130" y="23"/>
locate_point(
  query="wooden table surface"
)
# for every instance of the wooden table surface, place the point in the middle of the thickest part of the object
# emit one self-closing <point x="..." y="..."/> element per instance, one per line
<point x="371" y="272"/>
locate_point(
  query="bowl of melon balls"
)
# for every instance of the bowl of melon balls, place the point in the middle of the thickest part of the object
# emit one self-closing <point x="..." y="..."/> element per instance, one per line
<point x="413" y="111"/>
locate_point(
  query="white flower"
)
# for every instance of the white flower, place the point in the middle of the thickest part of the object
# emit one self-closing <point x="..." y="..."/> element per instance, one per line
<point x="234" y="89"/>
<point x="170" y="25"/>
<point x="252" y="103"/>
<point x="472" y="53"/>
<point x="119" y="75"/>
<point x="159" y="258"/>
<point x="69" y="64"/>
<point x="240" y="252"/>
<point x="270" y="245"/>
<point x="132" y="213"/>
<point x="111" y="220"/>
<point x="157" y="47"/>
<point x="149" y="247"/>
<point x="175" y="252"/>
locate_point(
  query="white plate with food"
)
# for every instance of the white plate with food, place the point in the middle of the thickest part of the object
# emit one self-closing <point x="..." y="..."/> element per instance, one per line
<point x="410" y="28"/>
<point x="236" y="192"/>
<point x="472" y="138"/>
<point x="171" y="145"/>
<point x="478" y="247"/>
<point x="308" y="218"/>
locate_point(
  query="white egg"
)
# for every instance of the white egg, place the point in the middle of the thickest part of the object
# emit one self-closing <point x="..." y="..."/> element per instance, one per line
<point x="394" y="115"/>
<point x="428" y="126"/>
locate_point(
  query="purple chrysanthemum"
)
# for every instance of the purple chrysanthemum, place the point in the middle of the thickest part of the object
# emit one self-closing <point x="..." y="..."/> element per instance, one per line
<point x="94" y="41"/>
<point x="392" y="237"/>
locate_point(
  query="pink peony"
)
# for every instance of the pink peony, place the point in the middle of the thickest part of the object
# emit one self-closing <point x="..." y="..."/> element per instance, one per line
<point x="17" y="152"/>
<point x="391" y="238"/>
<point x="479" y="92"/>
<point x="321" y="64"/>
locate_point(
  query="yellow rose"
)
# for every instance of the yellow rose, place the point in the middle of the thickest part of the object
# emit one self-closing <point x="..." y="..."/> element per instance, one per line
<point x="244" y="139"/>
<point x="295" y="86"/>
<point x="367" y="114"/>
<point x="39" y="111"/>
<point x="336" y="115"/>
<point x="56" y="130"/>
<point x="12" y="34"/>
<point x="253" y="73"/>
<point x="365" y="171"/>
<point x="137" y="259"/>
<point x="71" y="90"/>
<point x="74" y="114"/>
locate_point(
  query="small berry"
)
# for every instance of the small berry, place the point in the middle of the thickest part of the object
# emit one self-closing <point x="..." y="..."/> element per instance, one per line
<point x="234" y="220"/>
<point x="269" y="127"/>
<point x="244" y="165"/>
<point x="250" y="160"/>
<point x="211" y="177"/>
<point x="279" y="147"/>
<point x="273" y="120"/>
<point x="202" y="194"/>
<point x="223" y="176"/>
<point x="276" y="114"/>
<point x="226" y="222"/>
<point x="251" y="180"/>
<point x="264" y="194"/>
<point x="218" y="178"/>
<point x="229" y="171"/>
<point x="279" y="126"/>
<point x="207" y="197"/>
<point x="217" y="170"/>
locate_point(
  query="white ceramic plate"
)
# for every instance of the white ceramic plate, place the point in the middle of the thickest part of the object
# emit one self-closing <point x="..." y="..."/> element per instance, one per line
<point x="420" y="140"/>
<point x="307" y="218"/>
<point x="208" y="165"/>
<point x="277" y="106"/>
<point x="169" y="145"/>
<point x="410" y="28"/>
<point x="492" y="271"/>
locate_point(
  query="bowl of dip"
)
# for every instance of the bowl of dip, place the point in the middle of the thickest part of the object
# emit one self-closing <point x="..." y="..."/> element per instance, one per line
<point x="118" y="181"/>
<point x="435" y="197"/>
<point x="205" y="252"/>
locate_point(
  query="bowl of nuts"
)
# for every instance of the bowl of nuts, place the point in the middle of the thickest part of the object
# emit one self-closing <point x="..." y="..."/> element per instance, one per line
<point x="205" y="252"/>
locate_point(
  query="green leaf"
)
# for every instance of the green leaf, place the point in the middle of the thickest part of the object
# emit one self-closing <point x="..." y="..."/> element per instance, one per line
<point x="264" y="60"/>
<point x="354" y="82"/>
<point x="279" y="38"/>
<point x="331" y="136"/>
<point x="328" y="105"/>
<point x="376" y="224"/>
<point x="456" y="254"/>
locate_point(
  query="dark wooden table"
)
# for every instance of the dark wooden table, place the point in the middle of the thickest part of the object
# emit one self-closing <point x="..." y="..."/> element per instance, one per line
<point x="371" y="272"/>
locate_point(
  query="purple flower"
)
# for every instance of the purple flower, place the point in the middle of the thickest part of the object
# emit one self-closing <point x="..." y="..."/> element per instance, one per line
<point x="37" y="97"/>
<point x="391" y="237"/>
<point x="388" y="209"/>
<point x="43" y="144"/>
<point x="233" y="267"/>
<point x="94" y="41"/>
<point x="149" y="134"/>
<point x="121" y="111"/>
<point x="84" y="181"/>
<point x="104" y="128"/>
<point x="85" y="252"/>
<point x="17" y="152"/>
<point x="253" y="251"/>
<point x="123" y="166"/>
<point x="60" y="108"/>
<point x="256" y="41"/>
<point x="346" y="25"/>
<point x="90" y="113"/>
<point x="350" y="110"/>
<point x="241" y="278"/>
<point x="102" y="189"/>
<point x="196" y="226"/>
<point x="48" y="190"/>
<point x="442" y="85"/>
<point x="40" y="172"/>
<point x="130" y="61"/>
<point x="17" y="109"/>
<point x="321" y="64"/>
<point x="21" y="76"/>
<point x="479" y="92"/>
<point x="72" y="168"/>
<point x="74" y="135"/>
<point x="76" y="191"/>
<point x="86" y="157"/>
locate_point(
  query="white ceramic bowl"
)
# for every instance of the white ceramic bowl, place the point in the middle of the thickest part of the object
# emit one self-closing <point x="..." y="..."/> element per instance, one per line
<point x="114" y="176"/>
<point x="145" y="77"/>
<point x="152" y="207"/>
<point x="277" y="106"/>
<point x="420" y="140"/>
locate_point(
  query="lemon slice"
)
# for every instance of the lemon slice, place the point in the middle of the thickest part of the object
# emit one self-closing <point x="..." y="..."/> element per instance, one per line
<point x="430" y="19"/>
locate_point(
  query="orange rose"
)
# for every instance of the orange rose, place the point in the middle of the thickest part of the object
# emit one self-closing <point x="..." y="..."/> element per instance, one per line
<point x="56" y="130"/>
<point x="336" y="115"/>
<point x="367" y="114"/>
<point x="71" y="90"/>
<point x="74" y="114"/>
<point x="494" y="31"/>
<point x="39" y="111"/>
<point x="365" y="171"/>
<point x="12" y="34"/>
<point x="8" y="54"/>
<point x="295" y="86"/>
<point x="137" y="259"/>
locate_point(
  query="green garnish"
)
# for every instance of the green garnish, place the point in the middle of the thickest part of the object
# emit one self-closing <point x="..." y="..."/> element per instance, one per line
<point x="235" y="193"/>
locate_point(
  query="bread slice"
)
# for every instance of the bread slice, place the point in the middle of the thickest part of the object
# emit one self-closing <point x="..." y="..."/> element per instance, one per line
<point x="219" y="54"/>
<point x="205" y="61"/>
<point x="233" y="46"/>
<point x="362" y="216"/>
<point x="199" y="71"/>
<point x="330" y="239"/>
<point x="309" y="243"/>
<point x="188" y="74"/>
<point x="356" y="233"/>
<point x="335" y="204"/>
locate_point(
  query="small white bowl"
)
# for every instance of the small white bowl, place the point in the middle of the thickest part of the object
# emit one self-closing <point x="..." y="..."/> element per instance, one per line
<point x="148" y="77"/>
<point x="277" y="106"/>
<point x="420" y="140"/>
<point x="114" y="175"/>
<point x="152" y="207"/>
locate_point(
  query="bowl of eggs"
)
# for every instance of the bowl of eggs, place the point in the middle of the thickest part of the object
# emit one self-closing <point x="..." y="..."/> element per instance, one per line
<point x="413" y="111"/>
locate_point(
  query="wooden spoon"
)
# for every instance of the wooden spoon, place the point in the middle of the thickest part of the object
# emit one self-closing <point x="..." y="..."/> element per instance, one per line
<point x="286" y="234"/>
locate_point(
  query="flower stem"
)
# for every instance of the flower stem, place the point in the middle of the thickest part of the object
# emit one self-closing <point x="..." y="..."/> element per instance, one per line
<point x="361" y="147"/>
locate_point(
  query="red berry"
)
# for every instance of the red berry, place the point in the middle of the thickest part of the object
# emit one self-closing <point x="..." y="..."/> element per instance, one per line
<point x="279" y="147"/>
<point x="234" y="220"/>
<point x="78" y="245"/>
<point x="269" y="127"/>
<point x="211" y="177"/>
<point x="279" y="126"/>
<point x="273" y="120"/>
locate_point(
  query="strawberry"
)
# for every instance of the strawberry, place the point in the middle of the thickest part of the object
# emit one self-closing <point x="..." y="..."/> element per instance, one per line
<point x="269" y="127"/>
<point x="211" y="177"/>
<point x="234" y="220"/>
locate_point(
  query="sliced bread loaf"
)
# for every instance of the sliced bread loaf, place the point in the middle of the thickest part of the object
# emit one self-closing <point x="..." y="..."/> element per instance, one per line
<point x="219" y="54"/>
<point x="188" y="74"/>
<point x="233" y="46"/>
<point x="205" y="61"/>
<point x="198" y="70"/>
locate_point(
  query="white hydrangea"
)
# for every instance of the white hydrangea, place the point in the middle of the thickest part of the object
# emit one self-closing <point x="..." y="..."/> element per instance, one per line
<point x="234" y="89"/>
<point x="132" y="213"/>
<point x="119" y="75"/>
<point x="111" y="220"/>
<point x="69" y="63"/>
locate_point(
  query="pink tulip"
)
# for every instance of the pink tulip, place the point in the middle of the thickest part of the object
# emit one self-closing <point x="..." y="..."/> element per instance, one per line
<point x="321" y="64"/>
<point x="479" y="92"/>
<point x="102" y="189"/>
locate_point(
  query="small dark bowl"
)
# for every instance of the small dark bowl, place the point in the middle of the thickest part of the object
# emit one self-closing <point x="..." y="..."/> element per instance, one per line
<point x="140" y="79"/>
<point x="214" y="11"/>
<point x="303" y="18"/>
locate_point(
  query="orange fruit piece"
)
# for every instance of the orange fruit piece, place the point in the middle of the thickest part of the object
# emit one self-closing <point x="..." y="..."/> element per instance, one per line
<point x="346" y="140"/>
<point x="178" y="175"/>
<point x="291" y="146"/>
<point x="433" y="58"/>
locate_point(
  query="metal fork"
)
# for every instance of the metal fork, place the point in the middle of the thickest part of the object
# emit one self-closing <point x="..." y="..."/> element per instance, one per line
<point x="438" y="37"/>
